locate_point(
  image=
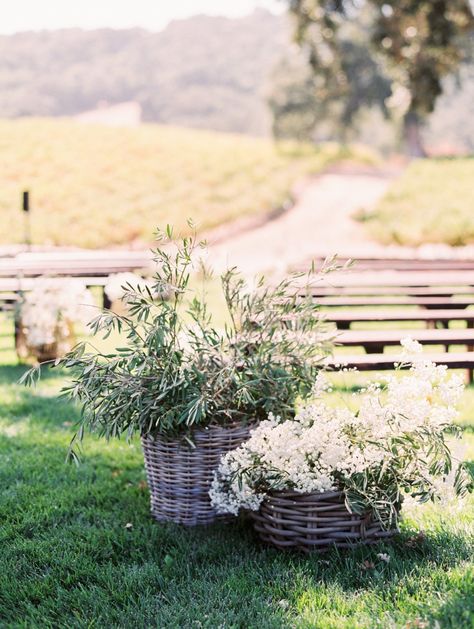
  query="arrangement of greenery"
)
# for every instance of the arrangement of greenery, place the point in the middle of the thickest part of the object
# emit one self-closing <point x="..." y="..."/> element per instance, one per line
<point x="384" y="443"/>
<point x="177" y="370"/>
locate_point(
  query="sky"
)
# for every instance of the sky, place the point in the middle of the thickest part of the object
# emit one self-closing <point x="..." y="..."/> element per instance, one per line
<point x="24" y="15"/>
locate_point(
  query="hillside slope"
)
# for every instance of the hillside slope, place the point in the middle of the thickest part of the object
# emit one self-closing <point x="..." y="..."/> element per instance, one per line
<point x="97" y="186"/>
<point x="206" y="72"/>
<point x="203" y="72"/>
<point x="431" y="203"/>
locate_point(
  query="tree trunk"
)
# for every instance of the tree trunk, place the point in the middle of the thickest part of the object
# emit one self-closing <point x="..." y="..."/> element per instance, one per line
<point x="412" y="135"/>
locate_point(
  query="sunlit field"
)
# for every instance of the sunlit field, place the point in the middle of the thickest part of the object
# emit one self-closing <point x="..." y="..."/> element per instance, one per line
<point x="432" y="202"/>
<point x="95" y="186"/>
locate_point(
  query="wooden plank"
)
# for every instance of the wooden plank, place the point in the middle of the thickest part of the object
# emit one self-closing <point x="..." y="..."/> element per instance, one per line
<point x="74" y="263"/>
<point x="427" y="302"/>
<point x="13" y="284"/>
<point x="381" y="338"/>
<point x="5" y="297"/>
<point x="367" y="362"/>
<point x="354" y="316"/>
<point x="398" y="279"/>
<point x="409" y="291"/>
<point x="408" y="264"/>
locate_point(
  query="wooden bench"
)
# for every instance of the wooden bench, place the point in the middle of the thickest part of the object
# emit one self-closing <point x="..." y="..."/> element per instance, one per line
<point x="368" y="263"/>
<point x="427" y="283"/>
<point x="435" y="297"/>
<point x="74" y="263"/>
<point x="412" y="264"/>
<point x="93" y="268"/>
<point x="12" y="287"/>
<point x="374" y="341"/>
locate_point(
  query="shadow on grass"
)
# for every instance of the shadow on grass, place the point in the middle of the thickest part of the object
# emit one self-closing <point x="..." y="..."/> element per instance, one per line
<point x="11" y="373"/>
<point x="98" y="515"/>
<point x="40" y="409"/>
<point x="113" y="480"/>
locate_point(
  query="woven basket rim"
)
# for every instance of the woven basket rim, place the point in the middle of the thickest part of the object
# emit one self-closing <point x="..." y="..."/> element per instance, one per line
<point x="198" y="429"/>
<point x="316" y="521"/>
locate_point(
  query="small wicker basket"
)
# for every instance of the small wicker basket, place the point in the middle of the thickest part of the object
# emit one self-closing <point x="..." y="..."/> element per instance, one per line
<point x="314" y="522"/>
<point x="179" y="476"/>
<point x="41" y="353"/>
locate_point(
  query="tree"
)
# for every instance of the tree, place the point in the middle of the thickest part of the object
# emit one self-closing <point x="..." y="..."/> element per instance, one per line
<point x="292" y="98"/>
<point x="311" y="98"/>
<point x="421" y="42"/>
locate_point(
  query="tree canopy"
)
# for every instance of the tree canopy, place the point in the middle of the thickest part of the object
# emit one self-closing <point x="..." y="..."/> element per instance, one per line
<point x="419" y="42"/>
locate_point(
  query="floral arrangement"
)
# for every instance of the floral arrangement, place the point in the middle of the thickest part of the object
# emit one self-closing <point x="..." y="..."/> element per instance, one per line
<point x="120" y="283"/>
<point x="176" y="370"/>
<point x="48" y="313"/>
<point x="387" y="440"/>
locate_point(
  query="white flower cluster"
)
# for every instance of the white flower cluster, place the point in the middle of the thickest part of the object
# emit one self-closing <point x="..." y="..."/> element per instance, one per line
<point x="325" y="445"/>
<point x="117" y="285"/>
<point x="52" y="307"/>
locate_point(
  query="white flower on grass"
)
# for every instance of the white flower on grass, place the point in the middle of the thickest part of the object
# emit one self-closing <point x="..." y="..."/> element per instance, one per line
<point x="118" y="284"/>
<point x="50" y="310"/>
<point x="383" y="557"/>
<point x="394" y="426"/>
<point x="411" y="347"/>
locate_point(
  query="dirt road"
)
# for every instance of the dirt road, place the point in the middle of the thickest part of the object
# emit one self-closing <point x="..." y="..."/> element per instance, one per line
<point x="319" y="223"/>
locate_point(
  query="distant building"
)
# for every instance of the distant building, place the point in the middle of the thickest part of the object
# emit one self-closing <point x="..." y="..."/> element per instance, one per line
<point x="127" y="114"/>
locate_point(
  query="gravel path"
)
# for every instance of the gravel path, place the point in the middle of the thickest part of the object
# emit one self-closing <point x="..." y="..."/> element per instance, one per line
<point x="318" y="224"/>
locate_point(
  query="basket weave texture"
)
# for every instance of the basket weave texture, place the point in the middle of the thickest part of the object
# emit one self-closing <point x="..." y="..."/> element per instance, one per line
<point x="314" y="522"/>
<point x="179" y="476"/>
<point x="41" y="353"/>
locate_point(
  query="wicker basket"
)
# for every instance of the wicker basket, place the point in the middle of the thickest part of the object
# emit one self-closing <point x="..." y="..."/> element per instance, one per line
<point x="314" y="522"/>
<point x="179" y="476"/>
<point x="46" y="352"/>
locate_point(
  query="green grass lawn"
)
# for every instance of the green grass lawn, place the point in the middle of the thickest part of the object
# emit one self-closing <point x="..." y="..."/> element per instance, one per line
<point x="79" y="549"/>
<point x="432" y="202"/>
<point x="94" y="186"/>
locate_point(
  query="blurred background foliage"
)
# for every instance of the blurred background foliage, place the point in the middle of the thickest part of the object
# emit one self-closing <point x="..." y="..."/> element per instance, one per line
<point x="363" y="71"/>
<point x="412" y="46"/>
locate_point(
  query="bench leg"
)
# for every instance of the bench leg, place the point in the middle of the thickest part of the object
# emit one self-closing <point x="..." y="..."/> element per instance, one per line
<point x="470" y="325"/>
<point x="344" y="325"/>
<point x="374" y="349"/>
<point x="106" y="303"/>
<point x="16" y="322"/>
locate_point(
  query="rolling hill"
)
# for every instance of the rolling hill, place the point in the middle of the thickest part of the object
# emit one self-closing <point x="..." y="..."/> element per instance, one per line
<point x="92" y="185"/>
<point x="204" y="72"/>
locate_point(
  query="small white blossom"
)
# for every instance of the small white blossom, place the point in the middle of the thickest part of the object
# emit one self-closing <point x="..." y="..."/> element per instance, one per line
<point x="325" y="446"/>
<point x="410" y="346"/>
<point x="118" y="284"/>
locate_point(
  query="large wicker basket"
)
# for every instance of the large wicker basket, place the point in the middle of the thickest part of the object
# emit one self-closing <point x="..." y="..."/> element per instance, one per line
<point x="314" y="522"/>
<point x="179" y="476"/>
